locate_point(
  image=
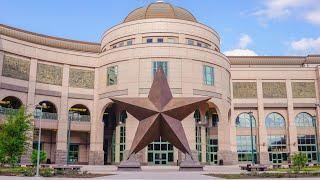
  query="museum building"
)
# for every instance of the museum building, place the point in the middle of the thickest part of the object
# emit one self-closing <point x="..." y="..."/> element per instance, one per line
<point x="273" y="100"/>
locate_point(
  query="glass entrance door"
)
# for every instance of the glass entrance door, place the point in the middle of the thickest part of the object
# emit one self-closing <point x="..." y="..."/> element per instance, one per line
<point x="160" y="152"/>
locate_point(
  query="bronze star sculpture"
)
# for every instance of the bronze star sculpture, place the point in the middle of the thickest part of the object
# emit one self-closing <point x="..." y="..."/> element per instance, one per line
<point x="160" y="115"/>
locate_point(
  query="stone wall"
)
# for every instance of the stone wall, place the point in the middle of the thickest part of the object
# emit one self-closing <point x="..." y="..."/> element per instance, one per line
<point x="274" y="90"/>
<point x="79" y="78"/>
<point x="243" y="90"/>
<point x="303" y="90"/>
<point x="49" y="74"/>
<point x="16" y="68"/>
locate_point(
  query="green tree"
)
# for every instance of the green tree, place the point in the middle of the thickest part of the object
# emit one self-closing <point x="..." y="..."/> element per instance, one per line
<point x="43" y="157"/>
<point x="299" y="161"/>
<point x="13" y="137"/>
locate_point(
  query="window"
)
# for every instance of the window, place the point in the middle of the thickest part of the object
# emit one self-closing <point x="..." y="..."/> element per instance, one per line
<point x="277" y="148"/>
<point x="190" y="42"/>
<point x="121" y="44"/>
<point x="304" y="120"/>
<point x="199" y="44"/>
<point x="160" y="152"/>
<point x="197" y="119"/>
<point x="122" y="124"/>
<point x="244" y="148"/>
<point x="112" y="75"/>
<point x="129" y="42"/>
<point x="215" y="120"/>
<point x="160" y="40"/>
<point x="307" y="144"/>
<point x="208" y="75"/>
<point x="164" y="66"/>
<point x="149" y="40"/>
<point x="275" y="120"/>
<point x="243" y="121"/>
<point x="171" y="40"/>
<point x="212" y="150"/>
<point x="73" y="153"/>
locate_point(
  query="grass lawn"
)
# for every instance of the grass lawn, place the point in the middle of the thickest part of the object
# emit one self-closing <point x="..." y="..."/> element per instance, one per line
<point x="264" y="175"/>
<point x="20" y="171"/>
<point x="305" y="169"/>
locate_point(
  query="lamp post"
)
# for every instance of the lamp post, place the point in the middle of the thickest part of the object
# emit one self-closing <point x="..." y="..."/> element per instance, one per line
<point x="39" y="137"/>
<point x="251" y="134"/>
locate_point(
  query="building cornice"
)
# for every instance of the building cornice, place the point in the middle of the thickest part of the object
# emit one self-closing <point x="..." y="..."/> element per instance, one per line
<point x="50" y="41"/>
<point x="274" y="60"/>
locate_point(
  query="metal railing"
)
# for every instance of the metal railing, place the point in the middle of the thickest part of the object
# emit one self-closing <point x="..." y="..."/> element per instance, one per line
<point x="51" y="116"/>
<point x="7" y="111"/>
<point x="79" y="118"/>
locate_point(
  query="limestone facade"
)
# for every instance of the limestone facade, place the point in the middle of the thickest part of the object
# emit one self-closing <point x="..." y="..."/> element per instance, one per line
<point x="36" y="68"/>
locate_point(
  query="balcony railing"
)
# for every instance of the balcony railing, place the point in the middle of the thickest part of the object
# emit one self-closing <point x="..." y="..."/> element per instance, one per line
<point x="50" y="116"/>
<point x="7" y="111"/>
<point x="79" y="118"/>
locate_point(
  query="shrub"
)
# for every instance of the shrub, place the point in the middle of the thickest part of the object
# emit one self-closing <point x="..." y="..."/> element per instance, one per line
<point x="29" y="171"/>
<point x="43" y="157"/>
<point x="47" y="172"/>
<point x="299" y="161"/>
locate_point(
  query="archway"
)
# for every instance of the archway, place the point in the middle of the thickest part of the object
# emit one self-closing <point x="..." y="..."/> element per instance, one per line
<point x="10" y="105"/>
<point x="49" y="110"/>
<point x="80" y="113"/>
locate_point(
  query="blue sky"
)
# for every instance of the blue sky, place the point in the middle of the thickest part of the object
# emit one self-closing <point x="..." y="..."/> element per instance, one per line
<point x="246" y="27"/>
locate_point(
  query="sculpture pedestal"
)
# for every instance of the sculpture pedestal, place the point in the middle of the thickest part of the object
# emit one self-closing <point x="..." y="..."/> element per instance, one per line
<point x="190" y="165"/>
<point x="132" y="164"/>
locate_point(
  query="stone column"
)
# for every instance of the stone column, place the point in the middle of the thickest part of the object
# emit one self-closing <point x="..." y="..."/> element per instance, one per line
<point x="262" y="131"/>
<point x="203" y="144"/>
<point x="188" y="125"/>
<point x="62" y="133"/>
<point x="1" y="65"/>
<point x="318" y="100"/>
<point x="96" y="154"/>
<point x="26" y="157"/>
<point x="226" y="143"/>
<point x="291" y="128"/>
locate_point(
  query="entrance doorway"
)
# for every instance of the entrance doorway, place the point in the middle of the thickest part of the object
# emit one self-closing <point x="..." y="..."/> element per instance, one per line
<point x="109" y="119"/>
<point x="160" y="152"/>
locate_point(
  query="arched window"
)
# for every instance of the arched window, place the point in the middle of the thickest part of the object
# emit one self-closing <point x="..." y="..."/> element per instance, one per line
<point x="122" y="124"/>
<point x="304" y="120"/>
<point x="243" y="121"/>
<point x="9" y="105"/>
<point x="196" y="116"/>
<point x="275" y="120"/>
<point x="11" y="102"/>
<point x="49" y="110"/>
<point x="197" y="119"/>
<point x="79" y="112"/>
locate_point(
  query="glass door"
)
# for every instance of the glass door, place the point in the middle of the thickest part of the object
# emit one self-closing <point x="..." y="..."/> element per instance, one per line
<point x="160" y="152"/>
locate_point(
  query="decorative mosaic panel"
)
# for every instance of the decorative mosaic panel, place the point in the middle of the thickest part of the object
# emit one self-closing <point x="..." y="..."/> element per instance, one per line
<point x="80" y="78"/>
<point x="16" y="68"/>
<point x="242" y="90"/>
<point x="274" y="90"/>
<point x="49" y="74"/>
<point x="303" y="90"/>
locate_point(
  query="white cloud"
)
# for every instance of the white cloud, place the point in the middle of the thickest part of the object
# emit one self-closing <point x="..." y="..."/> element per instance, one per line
<point x="313" y="16"/>
<point x="275" y="9"/>
<point x="308" y="45"/>
<point x="240" y="52"/>
<point x="244" y="41"/>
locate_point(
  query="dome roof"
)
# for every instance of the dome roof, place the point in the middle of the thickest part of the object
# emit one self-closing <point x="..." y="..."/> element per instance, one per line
<point x="160" y="10"/>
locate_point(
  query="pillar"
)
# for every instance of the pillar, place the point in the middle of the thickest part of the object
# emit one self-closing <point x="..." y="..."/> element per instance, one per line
<point x="262" y="130"/>
<point x="26" y="157"/>
<point x="96" y="154"/>
<point x="226" y="138"/>
<point x="62" y="133"/>
<point x="291" y="128"/>
<point x="1" y="65"/>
